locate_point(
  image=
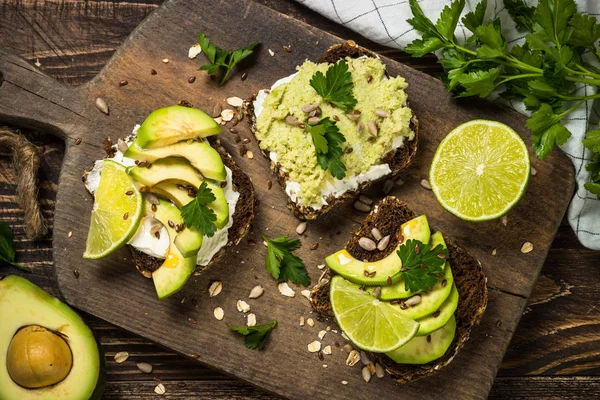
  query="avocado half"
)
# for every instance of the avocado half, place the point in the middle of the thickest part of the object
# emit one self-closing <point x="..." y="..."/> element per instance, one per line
<point x="45" y="347"/>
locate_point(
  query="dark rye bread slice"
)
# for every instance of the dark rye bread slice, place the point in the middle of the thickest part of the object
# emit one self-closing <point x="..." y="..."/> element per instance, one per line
<point x="242" y="216"/>
<point x="387" y="216"/>
<point x="398" y="159"/>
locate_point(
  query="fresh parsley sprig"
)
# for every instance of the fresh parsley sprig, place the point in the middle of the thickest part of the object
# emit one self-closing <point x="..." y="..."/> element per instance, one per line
<point x="220" y="58"/>
<point x="335" y="86"/>
<point x="284" y="265"/>
<point x="327" y="139"/>
<point x="542" y="72"/>
<point x="7" y="247"/>
<point x="197" y="215"/>
<point x="255" y="335"/>
<point x="421" y="264"/>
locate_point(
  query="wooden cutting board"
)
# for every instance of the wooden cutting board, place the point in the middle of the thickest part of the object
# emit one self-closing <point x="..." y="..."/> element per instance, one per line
<point x="113" y="290"/>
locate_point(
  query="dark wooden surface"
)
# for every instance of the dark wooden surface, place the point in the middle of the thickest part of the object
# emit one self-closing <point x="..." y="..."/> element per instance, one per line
<point x="73" y="40"/>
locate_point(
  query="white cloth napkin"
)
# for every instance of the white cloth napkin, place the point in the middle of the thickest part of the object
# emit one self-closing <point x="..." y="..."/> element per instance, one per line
<point x="384" y="21"/>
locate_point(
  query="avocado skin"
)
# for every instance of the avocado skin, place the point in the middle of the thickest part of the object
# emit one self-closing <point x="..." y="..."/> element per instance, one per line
<point x="38" y="300"/>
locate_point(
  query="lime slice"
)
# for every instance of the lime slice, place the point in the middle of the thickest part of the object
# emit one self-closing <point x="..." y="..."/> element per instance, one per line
<point x="480" y="170"/>
<point x="369" y="323"/>
<point x="116" y="214"/>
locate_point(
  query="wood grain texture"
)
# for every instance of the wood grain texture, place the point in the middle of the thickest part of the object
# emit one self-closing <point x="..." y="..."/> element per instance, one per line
<point x="560" y="269"/>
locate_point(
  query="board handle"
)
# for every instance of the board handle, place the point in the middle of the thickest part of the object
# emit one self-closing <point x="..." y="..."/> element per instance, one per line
<point x="31" y="99"/>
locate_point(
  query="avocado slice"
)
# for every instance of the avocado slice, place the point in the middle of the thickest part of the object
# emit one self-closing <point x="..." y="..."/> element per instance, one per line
<point x="61" y="358"/>
<point x="442" y="315"/>
<point x="200" y="155"/>
<point x="177" y="170"/>
<point x="421" y="350"/>
<point x="168" y="125"/>
<point x="170" y="277"/>
<point x="353" y="270"/>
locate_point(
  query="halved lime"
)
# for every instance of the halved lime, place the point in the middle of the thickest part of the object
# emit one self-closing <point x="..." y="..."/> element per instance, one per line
<point x="480" y="170"/>
<point x="116" y="213"/>
<point x="369" y="323"/>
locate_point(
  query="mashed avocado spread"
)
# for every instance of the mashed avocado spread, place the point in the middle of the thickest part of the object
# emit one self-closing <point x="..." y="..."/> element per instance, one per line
<point x="292" y="146"/>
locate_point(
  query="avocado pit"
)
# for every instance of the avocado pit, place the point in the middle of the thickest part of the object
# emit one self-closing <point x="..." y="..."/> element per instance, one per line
<point x="38" y="357"/>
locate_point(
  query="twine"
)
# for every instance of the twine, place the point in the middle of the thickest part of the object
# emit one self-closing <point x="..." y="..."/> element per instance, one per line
<point x="26" y="160"/>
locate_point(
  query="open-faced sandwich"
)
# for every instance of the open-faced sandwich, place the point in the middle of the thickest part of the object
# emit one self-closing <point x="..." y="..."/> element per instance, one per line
<point x="402" y="292"/>
<point x="170" y="192"/>
<point x="333" y="128"/>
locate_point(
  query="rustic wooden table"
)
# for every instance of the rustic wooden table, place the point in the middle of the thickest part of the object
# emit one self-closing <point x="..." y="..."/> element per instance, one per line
<point x="555" y="353"/>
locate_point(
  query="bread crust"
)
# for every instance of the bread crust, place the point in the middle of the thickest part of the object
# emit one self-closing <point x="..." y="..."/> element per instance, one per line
<point x="398" y="160"/>
<point x="469" y="278"/>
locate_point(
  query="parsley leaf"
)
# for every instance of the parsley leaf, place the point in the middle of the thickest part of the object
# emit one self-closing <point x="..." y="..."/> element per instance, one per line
<point x="335" y="86"/>
<point x="7" y="247"/>
<point x="446" y="23"/>
<point x="419" y="48"/>
<point x="552" y="18"/>
<point x="421" y="263"/>
<point x="255" y="335"/>
<point x="220" y="58"/>
<point x="547" y="130"/>
<point x="521" y="13"/>
<point x="480" y="83"/>
<point x="586" y="31"/>
<point x="197" y="215"/>
<point x="475" y="18"/>
<point x="327" y="139"/>
<point x="592" y="140"/>
<point x="282" y="264"/>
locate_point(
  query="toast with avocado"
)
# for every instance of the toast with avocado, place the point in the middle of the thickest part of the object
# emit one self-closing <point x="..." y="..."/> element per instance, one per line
<point x="171" y="193"/>
<point x="417" y="299"/>
<point x="334" y="128"/>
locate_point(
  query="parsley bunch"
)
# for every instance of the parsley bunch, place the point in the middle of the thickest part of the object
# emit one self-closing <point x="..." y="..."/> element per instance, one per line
<point x="220" y="58"/>
<point x="421" y="264"/>
<point x="542" y="72"/>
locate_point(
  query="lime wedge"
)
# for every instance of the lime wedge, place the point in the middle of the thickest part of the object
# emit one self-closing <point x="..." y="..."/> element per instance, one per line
<point x="480" y="170"/>
<point x="116" y="214"/>
<point x="369" y="323"/>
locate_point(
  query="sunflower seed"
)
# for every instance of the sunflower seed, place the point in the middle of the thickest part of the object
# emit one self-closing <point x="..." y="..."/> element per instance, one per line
<point x="376" y="292"/>
<point x="286" y="290"/>
<point x="310" y="322"/>
<point x="165" y="60"/>
<point x="364" y="358"/>
<point x="315" y="346"/>
<point x="360" y="206"/>
<point x="376" y="234"/>
<point x="366" y="374"/>
<point x="388" y="185"/>
<point x="301" y="321"/>
<point x="215" y="288"/>
<point x="367" y="200"/>
<point x="70" y="234"/>
<point x="353" y="117"/>
<point x="291" y="120"/>
<point x="194" y="51"/>
<point x="144" y="367"/>
<point x="308" y="108"/>
<point x="353" y="358"/>
<point x="242" y="306"/>
<point x="152" y="199"/>
<point x="413" y="301"/>
<point x="373" y="128"/>
<point x="313" y="120"/>
<point x="219" y="313"/>
<point x="382" y="113"/>
<point x="321" y="266"/>
<point x="227" y="114"/>
<point x="494" y="252"/>
<point x="256" y="292"/>
<point x="235" y="101"/>
<point x="251" y="319"/>
<point x="504" y="220"/>
<point x="367" y="244"/>
<point x="122" y="146"/>
<point x="250" y="154"/>
<point x="306" y="293"/>
<point x="360" y="128"/>
<point x="425" y="183"/>
<point x="383" y="243"/>
<point x="371" y="367"/>
<point x="160" y="389"/>
<point x="348" y="348"/>
<point x="121" y="357"/>
<point x="102" y="106"/>
<point x="527" y="247"/>
<point x="217" y="111"/>
<point x="271" y="52"/>
<point x="301" y="228"/>
<point x="379" y="371"/>
<point x="219" y="120"/>
<point x="344" y="382"/>
<point x="533" y="171"/>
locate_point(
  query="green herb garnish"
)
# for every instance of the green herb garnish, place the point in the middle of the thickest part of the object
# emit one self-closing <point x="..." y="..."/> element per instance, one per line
<point x="255" y="335"/>
<point x="421" y="264"/>
<point x="284" y="265"/>
<point x="197" y="215"/>
<point x="335" y="86"/>
<point x="7" y="247"/>
<point x="327" y="138"/>
<point x="542" y="72"/>
<point x="220" y="58"/>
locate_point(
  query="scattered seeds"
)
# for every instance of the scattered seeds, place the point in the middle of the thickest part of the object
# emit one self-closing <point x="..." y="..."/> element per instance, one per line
<point x="215" y="288"/>
<point x="251" y="319"/>
<point x="287" y="49"/>
<point x="315" y="346"/>
<point x="191" y="79"/>
<point x="494" y="252"/>
<point x="313" y="120"/>
<point x="301" y="321"/>
<point x="388" y="185"/>
<point x="165" y="60"/>
<point x="235" y="101"/>
<point x="379" y="371"/>
<point x="533" y="171"/>
<point x="367" y="200"/>
<point x="321" y="266"/>
<point x="366" y="374"/>
<point x="144" y="367"/>
<point x="344" y="382"/>
<point x="121" y="357"/>
<point x="504" y="220"/>
<point x="371" y="367"/>
<point x="244" y="76"/>
<point x="271" y="52"/>
<point x="373" y="128"/>
<point x="413" y="301"/>
<point x="306" y="293"/>
<point x="153" y="72"/>
<point x="291" y="120"/>
<point x="376" y="234"/>
<point x="322" y="334"/>
<point x="101" y="105"/>
<point x="362" y="207"/>
<point x="527" y="247"/>
<point x="250" y="154"/>
<point x="219" y="313"/>
<point x="256" y="292"/>
<point x="367" y="244"/>
<point x="152" y="199"/>
<point x="376" y="292"/>
<point x="286" y="290"/>
<point x="126" y="215"/>
<point x="314" y="246"/>
<point x="301" y="228"/>
<point x="160" y="389"/>
<point x="382" y="113"/>
<point x="310" y="322"/>
<point x="353" y="117"/>
<point x="219" y="120"/>
<point x="194" y="51"/>
<point x="242" y="306"/>
<point x="216" y="111"/>
<point x="348" y="348"/>
<point x="123" y="83"/>
<point x="383" y="243"/>
<point x="364" y="358"/>
<point x="425" y="183"/>
<point x="269" y="184"/>
<point x="76" y="273"/>
<point x="78" y="141"/>
<point x="327" y="350"/>
<point x="192" y="320"/>
<point x="122" y="146"/>
<point x="227" y="115"/>
<point x="308" y="108"/>
<point x="353" y="358"/>
<point x="70" y="234"/>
